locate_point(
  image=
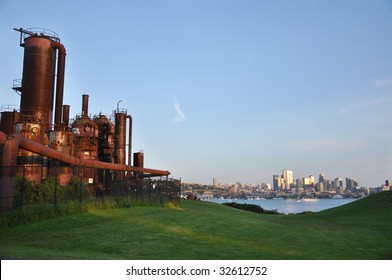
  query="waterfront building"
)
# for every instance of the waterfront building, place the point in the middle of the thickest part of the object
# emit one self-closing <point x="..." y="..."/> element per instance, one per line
<point x="308" y="181"/>
<point x="338" y="182"/>
<point x="276" y="183"/>
<point x="351" y="184"/>
<point x="322" y="178"/>
<point x="288" y="178"/>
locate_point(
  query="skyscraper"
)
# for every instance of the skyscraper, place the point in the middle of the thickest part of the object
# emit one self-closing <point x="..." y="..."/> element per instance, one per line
<point x="288" y="178"/>
<point x="351" y="184"/>
<point x="338" y="182"/>
<point x="276" y="182"/>
<point x="322" y="178"/>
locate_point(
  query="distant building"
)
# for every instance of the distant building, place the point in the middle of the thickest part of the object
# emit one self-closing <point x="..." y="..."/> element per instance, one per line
<point x="351" y="184"/>
<point x="338" y="182"/>
<point x="308" y="181"/>
<point x="288" y="178"/>
<point x="276" y="182"/>
<point x="298" y="183"/>
<point x="320" y="187"/>
<point x="322" y="178"/>
<point x="214" y="182"/>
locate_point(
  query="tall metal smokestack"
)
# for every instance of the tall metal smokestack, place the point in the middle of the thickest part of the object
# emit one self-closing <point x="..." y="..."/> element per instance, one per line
<point x="85" y="105"/>
<point x="59" y="83"/>
<point x="130" y="140"/>
<point x="66" y="116"/>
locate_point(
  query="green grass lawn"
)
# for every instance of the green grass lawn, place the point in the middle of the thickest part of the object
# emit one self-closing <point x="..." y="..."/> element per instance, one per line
<point x="203" y="230"/>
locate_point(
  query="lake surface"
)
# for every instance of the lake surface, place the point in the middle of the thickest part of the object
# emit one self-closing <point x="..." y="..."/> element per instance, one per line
<point x="287" y="206"/>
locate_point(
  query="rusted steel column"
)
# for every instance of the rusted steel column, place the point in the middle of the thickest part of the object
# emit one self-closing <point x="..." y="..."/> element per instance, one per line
<point x="59" y="83"/>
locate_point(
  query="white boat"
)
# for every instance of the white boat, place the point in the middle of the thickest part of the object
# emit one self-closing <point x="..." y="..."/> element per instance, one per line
<point x="310" y="199"/>
<point x="337" y="196"/>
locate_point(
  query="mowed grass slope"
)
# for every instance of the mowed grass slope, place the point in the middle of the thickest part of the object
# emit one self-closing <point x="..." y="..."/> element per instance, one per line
<point x="202" y="230"/>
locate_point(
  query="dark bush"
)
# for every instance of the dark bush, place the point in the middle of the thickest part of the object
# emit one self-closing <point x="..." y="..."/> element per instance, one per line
<point x="250" y="207"/>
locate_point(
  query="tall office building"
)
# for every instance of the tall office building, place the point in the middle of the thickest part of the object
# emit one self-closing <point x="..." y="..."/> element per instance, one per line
<point x="288" y="178"/>
<point x="276" y="182"/>
<point x="322" y="178"/>
<point x="338" y="182"/>
<point x="351" y="184"/>
<point x="214" y="182"/>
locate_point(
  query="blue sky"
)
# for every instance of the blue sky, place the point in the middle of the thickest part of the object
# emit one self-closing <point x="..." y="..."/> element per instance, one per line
<point x="232" y="89"/>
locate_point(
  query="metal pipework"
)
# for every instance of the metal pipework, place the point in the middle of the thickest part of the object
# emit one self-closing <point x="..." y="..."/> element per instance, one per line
<point x="59" y="83"/>
<point x="129" y="140"/>
<point x="10" y="152"/>
<point x="32" y="146"/>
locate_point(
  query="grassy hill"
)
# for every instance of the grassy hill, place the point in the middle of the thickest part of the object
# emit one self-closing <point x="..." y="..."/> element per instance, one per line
<point x="203" y="230"/>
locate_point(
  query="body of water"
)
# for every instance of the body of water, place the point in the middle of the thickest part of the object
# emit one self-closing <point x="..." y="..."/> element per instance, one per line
<point x="287" y="206"/>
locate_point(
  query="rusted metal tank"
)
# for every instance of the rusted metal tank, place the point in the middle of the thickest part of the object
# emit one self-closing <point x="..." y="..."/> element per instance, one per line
<point x="38" y="80"/>
<point x="9" y="117"/>
<point x="62" y="141"/>
<point x="39" y="75"/>
<point x="31" y="166"/>
<point x="138" y="161"/>
<point x="8" y="121"/>
<point x="37" y="96"/>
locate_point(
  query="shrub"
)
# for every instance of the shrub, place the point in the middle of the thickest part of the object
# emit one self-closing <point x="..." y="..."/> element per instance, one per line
<point x="250" y="207"/>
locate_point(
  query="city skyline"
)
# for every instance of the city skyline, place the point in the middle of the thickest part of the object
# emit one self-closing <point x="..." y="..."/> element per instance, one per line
<point x="229" y="89"/>
<point x="321" y="177"/>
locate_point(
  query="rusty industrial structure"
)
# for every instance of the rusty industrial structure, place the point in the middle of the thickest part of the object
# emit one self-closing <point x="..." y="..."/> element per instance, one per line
<point x="40" y="140"/>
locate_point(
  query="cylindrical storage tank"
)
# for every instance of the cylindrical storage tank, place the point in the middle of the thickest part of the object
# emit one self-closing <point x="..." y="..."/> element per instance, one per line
<point x="31" y="166"/>
<point x="138" y="161"/>
<point x="7" y="125"/>
<point x="38" y="80"/>
<point x="61" y="141"/>
<point x="120" y="142"/>
<point x="8" y="121"/>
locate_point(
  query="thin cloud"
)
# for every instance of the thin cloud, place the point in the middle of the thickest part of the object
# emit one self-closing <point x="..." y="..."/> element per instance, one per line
<point x="381" y="82"/>
<point x="363" y="105"/>
<point x="180" y="117"/>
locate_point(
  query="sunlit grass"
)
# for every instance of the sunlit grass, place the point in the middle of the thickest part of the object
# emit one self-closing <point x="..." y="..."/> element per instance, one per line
<point x="202" y="230"/>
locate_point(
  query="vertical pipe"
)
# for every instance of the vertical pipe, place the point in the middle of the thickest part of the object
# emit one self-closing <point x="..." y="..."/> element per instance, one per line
<point x="85" y="105"/>
<point x="130" y="140"/>
<point x="59" y="83"/>
<point x="66" y="116"/>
